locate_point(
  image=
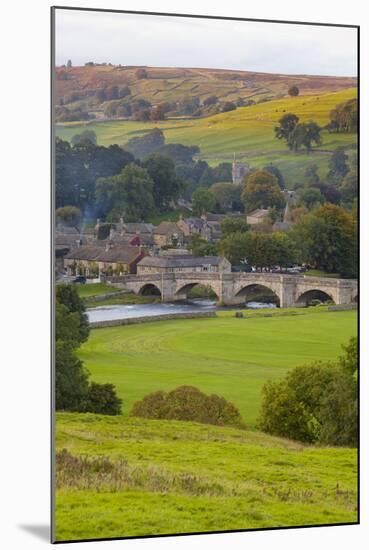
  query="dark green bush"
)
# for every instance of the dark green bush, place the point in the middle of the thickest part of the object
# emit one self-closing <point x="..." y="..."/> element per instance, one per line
<point x="315" y="403"/>
<point x="188" y="403"/>
<point x="102" y="399"/>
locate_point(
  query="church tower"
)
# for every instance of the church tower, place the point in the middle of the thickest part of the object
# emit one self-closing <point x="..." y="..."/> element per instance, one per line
<point x="239" y="171"/>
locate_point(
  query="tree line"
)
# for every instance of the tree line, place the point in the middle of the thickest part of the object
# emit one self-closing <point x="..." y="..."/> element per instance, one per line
<point x="73" y="389"/>
<point x="146" y="178"/>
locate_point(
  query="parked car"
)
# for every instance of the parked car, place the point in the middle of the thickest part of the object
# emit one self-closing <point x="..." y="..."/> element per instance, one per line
<point x="242" y="268"/>
<point x="80" y="279"/>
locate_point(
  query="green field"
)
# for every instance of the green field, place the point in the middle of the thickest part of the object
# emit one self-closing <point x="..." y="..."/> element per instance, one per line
<point x="228" y="356"/>
<point x="247" y="131"/>
<point x="89" y="291"/>
<point x="177" y="477"/>
<point x="94" y="289"/>
<point x="137" y="477"/>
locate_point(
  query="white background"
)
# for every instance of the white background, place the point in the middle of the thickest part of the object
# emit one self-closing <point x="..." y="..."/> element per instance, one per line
<point x="24" y="286"/>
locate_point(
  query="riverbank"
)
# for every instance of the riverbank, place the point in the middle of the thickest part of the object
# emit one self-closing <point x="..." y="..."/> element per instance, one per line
<point x="152" y="318"/>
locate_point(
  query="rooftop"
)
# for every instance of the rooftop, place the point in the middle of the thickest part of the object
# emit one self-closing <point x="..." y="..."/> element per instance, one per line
<point x="259" y="213"/>
<point x="184" y="260"/>
<point x="167" y="228"/>
<point x="121" y="253"/>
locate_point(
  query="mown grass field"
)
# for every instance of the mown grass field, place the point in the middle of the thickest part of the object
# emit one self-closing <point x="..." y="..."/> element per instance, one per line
<point x="178" y="477"/>
<point x="228" y="356"/>
<point x="94" y="289"/>
<point x="247" y="131"/>
<point x="89" y="291"/>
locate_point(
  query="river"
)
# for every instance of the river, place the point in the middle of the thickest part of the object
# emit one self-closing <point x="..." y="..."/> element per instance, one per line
<point x="114" y="312"/>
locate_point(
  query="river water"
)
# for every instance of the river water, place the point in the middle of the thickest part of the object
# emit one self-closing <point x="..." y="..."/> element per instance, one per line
<point x="114" y="312"/>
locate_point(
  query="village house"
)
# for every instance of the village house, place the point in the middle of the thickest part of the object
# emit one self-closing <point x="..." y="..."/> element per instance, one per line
<point x="112" y="259"/>
<point x="258" y="216"/>
<point x="183" y="264"/>
<point x="208" y="226"/>
<point x="168" y="233"/>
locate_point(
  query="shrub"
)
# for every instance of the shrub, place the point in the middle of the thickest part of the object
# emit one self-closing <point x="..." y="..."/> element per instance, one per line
<point x="315" y="403"/>
<point x="190" y="404"/>
<point x="102" y="399"/>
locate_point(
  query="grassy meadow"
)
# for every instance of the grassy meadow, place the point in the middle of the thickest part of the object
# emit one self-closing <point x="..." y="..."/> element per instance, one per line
<point x="228" y="356"/>
<point x="177" y="477"/>
<point x="123" y="476"/>
<point x="247" y="131"/>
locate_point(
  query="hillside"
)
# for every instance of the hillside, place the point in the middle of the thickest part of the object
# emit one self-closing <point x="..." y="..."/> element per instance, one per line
<point x="247" y="131"/>
<point x="185" y="477"/>
<point x="172" y="84"/>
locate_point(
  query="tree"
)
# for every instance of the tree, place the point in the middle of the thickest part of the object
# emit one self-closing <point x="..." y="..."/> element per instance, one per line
<point x="311" y="174"/>
<point x="228" y="106"/>
<point x="211" y="100"/>
<point x="202" y="201"/>
<point x="188" y="105"/>
<point x="344" y="117"/>
<point x="201" y="247"/>
<point x="287" y="124"/>
<point x="142" y="115"/>
<point x="71" y="379"/>
<point x="129" y="193"/>
<point x="72" y="389"/>
<point x="68" y="215"/>
<point x="224" y="194"/>
<point x="157" y="113"/>
<point x="102" y="399"/>
<point x="144" y="145"/>
<point x="86" y="135"/>
<point x="297" y="135"/>
<point x="222" y="172"/>
<point x="310" y="197"/>
<point x="261" y="250"/>
<point x="338" y="167"/>
<point x="77" y="169"/>
<point x="327" y="239"/>
<point x="178" y="152"/>
<point x="167" y="186"/>
<point x="330" y="192"/>
<point x="69" y="63"/>
<point x="275" y="171"/>
<point x="103" y="230"/>
<point x="349" y="187"/>
<point x="315" y="403"/>
<point x="293" y="91"/>
<point x="262" y="191"/>
<point x="68" y="296"/>
<point x="235" y="247"/>
<point x="233" y="225"/>
<point x="304" y="135"/>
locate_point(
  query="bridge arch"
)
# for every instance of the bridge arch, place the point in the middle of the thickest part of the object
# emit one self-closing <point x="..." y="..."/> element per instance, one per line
<point x="149" y="289"/>
<point x="308" y="296"/>
<point x="184" y="289"/>
<point x="258" y="292"/>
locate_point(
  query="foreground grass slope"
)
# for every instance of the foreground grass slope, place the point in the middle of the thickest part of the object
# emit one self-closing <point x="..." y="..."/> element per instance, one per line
<point x="228" y="356"/>
<point x="248" y="131"/>
<point x="178" y="477"/>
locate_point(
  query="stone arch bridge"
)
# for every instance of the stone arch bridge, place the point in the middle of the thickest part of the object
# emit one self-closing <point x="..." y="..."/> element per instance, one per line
<point x="236" y="288"/>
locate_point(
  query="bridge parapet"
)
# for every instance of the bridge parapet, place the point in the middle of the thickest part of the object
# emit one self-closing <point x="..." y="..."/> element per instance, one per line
<point x="231" y="287"/>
